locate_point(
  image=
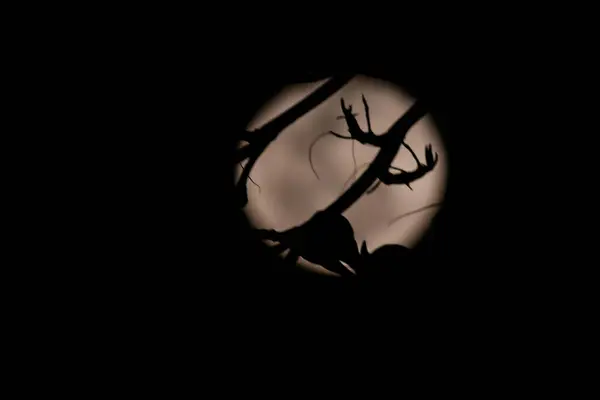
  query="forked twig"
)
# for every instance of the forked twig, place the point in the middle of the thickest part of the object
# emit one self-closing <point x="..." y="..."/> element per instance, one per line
<point x="250" y="178"/>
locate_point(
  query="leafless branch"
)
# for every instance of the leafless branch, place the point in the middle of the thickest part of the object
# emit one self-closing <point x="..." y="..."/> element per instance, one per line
<point x="250" y="178"/>
<point x="390" y="143"/>
<point x="355" y="130"/>
<point x="404" y="177"/>
<point x="262" y="137"/>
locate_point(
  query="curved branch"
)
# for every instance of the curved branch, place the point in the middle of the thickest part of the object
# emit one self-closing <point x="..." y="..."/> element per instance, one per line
<point x="251" y="180"/>
<point x="405" y="178"/>
<point x="241" y="188"/>
<point x="310" y="149"/>
<point x="412" y="152"/>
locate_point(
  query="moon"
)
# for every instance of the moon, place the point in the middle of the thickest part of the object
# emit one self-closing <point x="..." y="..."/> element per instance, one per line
<point x="285" y="191"/>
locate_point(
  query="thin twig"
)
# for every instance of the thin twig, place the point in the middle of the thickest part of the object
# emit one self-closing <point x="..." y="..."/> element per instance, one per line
<point x="250" y="178"/>
<point x="414" y="212"/>
<point x="412" y="152"/>
<point x="315" y="142"/>
<point x="353" y="176"/>
<point x="353" y="156"/>
<point x="266" y="134"/>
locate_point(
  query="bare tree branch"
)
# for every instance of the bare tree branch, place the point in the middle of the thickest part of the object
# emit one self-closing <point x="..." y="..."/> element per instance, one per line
<point x="269" y="132"/>
<point x="405" y="178"/>
<point x="327" y="237"/>
<point x="392" y="141"/>
<point x="250" y="178"/>
<point x="263" y="136"/>
<point x="363" y="137"/>
<point x="355" y="130"/>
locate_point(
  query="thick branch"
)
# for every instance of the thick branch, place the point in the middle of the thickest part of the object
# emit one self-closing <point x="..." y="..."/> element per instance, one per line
<point x="405" y="178"/>
<point x="269" y="132"/>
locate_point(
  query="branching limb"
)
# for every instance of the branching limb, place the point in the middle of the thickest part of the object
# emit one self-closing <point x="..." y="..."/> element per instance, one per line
<point x="250" y="178"/>
<point x="266" y="134"/>
<point x="403" y="171"/>
<point x="394" y="138"/>
<point x="411" y="152"/>
<point x="355" y="131"/>
<point x="241" y="186"/>
<point x="269" y="132"/>
<point x="368" y="116"/>
<point x="399" y="169"/>
<point x="404" y="177"/>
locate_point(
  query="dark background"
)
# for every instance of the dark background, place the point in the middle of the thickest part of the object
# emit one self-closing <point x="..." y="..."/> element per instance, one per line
<point x="157" y="258"/>
<point x="180" y="249"/>
<point x="460" y="258"/>
<point x="434" y="246"/>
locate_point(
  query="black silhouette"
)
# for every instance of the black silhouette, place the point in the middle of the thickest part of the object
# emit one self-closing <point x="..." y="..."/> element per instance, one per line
<point x="259" y="139"/>
<point x="382" y="259"/>
<point x="327" y="238"/>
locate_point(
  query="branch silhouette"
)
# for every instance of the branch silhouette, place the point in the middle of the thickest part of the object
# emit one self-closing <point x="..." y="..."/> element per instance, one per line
<point x="389" y="144"/>
<point x="327" y="237"/>
<point x="259" y="139"/>
<point x="369" y="138"/>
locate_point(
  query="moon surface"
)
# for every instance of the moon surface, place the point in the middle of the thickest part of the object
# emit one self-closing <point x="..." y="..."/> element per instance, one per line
<point x="289" y="193"/>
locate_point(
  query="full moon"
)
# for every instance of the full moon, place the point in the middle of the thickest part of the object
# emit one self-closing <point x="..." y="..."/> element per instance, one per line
<point x="284" y="191"/>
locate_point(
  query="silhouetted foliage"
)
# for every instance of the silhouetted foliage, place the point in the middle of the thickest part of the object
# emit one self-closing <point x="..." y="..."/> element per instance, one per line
<point x="382" y="259"/>
<point x="327" y="238"/>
